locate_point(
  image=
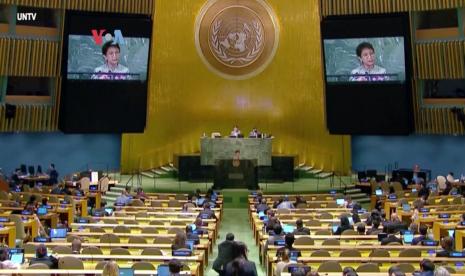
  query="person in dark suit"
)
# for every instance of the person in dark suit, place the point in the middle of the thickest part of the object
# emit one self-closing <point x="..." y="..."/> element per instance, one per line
<point x="240" y="265"/>
<point x="361" y="228"/>
<point x="374" y="228"/>
<point x="207" y="213"/>
<point x="375" y="215"/>
<point x="225" y="254"/>
<point x="263" y="207"/>
<point x="427" y="268"/>
<point x="447" y="245"/>
<point x="395" y="271"/>
<point x="277" y="235"/>
<point x="423" y="191"/>
<point x="422" y="237"/>
<point x="391" y="238"/>
<point x="53" y="174"/>
<point x="199" y="227"/>
<point x="289" y="240"/>
<point x="394" y="225"/>
<point x="348" y="270"/>
<point x="272" y="222"/>
<point x="42" y="258"/>
<point x="345" y="224"/>
<point x="300" y="229"/>
<point x="174" y="267"/>
<point x="190" y="235"/>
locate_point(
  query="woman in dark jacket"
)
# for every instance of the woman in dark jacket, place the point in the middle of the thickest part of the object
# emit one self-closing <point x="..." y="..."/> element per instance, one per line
<point x="345" y="224"/>
<point x="240" y="266"/>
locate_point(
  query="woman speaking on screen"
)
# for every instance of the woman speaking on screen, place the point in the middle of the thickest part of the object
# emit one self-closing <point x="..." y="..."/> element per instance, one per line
<point x="368" y="70"/>
<point x="111" y="69"/>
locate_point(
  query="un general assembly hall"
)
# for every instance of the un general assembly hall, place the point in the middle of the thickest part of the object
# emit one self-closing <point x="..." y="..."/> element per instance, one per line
<point x="232" y="137"/>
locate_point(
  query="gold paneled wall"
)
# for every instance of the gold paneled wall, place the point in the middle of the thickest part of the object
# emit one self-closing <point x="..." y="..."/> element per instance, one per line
<point x="28" y="57"/>
<point x="343" y="7"/>
<point x="29" y="118"/>
<point x="440" y="60"/>
<point x="186" y="99"/>
<point x="121" y="6"/>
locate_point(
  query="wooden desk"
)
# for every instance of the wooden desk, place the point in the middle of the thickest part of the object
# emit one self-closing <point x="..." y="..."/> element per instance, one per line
<point x="31" y="227"/>
<point x="365" y="250"/>
<point x="98" y="198"/>
<point x="79" y="202"/>
<point x="154" y="210"/>
<point x="348" y="239"/>
<point x="198" y="259"/>
<point x="308" y="197"/>
<point x="204" y="239"/>
<point x="34" y="178"/>
<point x="134" y="248"/>
<point x="439" y="227"/>
<point x="8" y="235"/>
<point x="132" y="226"/>
<point x="384" y="263"/>
<point x="211" y="228"/>
<point x="52" y="219"/>
<point x="459" y="236"/>
<point x="391" y="206"/>
<point x="363" y="274"/>
<point x="25" y="271"/>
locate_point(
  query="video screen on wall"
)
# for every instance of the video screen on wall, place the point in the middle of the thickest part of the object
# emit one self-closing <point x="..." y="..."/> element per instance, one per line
<point x="370" y="59"/>
<point x="109" y="57"/>
<point x="367" y="61"/>
<point x="105" y="68"/>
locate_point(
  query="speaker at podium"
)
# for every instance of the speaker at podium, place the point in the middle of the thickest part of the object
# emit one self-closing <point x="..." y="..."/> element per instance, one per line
<point x="236" y="173"/>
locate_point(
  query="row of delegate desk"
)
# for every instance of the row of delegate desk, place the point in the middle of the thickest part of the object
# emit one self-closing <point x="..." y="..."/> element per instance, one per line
<point x="170" y="217"/>
<point x="140" y="272"/>
<point x="363" y="243"/>
<point x="128" y="216"/>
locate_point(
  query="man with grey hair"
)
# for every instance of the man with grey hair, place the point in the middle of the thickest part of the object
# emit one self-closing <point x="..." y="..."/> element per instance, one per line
<point x="286" y="204"/>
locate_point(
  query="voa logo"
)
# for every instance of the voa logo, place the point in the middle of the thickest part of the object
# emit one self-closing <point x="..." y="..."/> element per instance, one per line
<point x="98" y="36"/>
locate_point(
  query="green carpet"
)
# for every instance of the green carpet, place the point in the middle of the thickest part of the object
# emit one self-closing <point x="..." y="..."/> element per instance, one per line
<point x="236" y="221"/>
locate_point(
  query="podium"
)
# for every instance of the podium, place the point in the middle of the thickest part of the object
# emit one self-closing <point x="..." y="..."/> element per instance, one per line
<point x="242" y="175"/>
<point x="218" y="152"/>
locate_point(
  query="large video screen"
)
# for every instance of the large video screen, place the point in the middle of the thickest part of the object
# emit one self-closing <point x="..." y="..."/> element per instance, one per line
<point x="365" y="59"/>
<point x="107" y="58"/>
<point x="105" y="72"/>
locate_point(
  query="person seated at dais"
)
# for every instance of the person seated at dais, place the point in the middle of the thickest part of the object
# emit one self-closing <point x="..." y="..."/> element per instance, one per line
<point x="255" y="133"/>
<point x="236" y="132"/>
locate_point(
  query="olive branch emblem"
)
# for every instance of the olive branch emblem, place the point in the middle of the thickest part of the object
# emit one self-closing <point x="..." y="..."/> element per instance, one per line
<point x="251" y="55"/>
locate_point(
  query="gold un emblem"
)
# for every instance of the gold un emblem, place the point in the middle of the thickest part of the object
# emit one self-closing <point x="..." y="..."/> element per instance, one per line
<point x="236" y="39"/>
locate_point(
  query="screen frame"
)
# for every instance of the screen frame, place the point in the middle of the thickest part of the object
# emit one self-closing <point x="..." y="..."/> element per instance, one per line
<point x="400" y="121"/>
<point x="83" y="29"/>
<point x="99" y="108"/>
